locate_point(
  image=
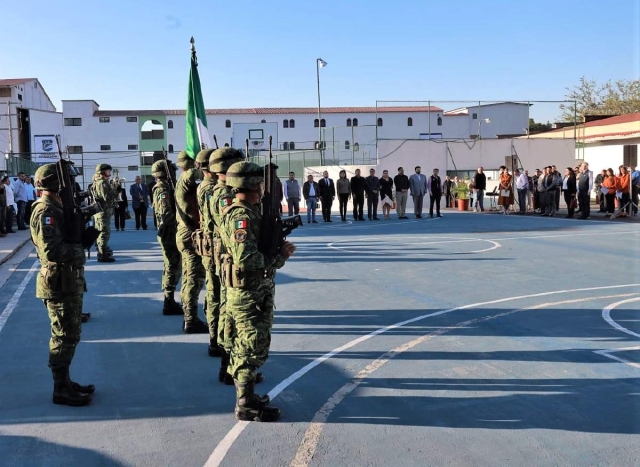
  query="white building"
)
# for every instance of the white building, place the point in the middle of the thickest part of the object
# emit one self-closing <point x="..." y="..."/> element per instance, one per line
<point x="26" y="113"/>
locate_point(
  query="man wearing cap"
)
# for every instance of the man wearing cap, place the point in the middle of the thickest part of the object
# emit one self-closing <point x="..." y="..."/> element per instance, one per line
<point x="164" y="210"/>
<point x="105" y="194"/>
<point x="193" y="274"/>
<point x="211" y="285"/>
<point x="60" y="284"/>
<point x="249" y="276"/>
<point x="222" y="196"/>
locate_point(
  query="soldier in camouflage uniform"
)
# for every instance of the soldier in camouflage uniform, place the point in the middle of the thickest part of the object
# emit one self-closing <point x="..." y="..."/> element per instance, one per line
<point x="219" y="163"/>
<point x="249" y="277"/>
<point x="105" y="193"/>
<point x="193" y="274"/>
<point x="60" y="284"/>
<point x="164" y="210"/>
<point x="205" y="239"/>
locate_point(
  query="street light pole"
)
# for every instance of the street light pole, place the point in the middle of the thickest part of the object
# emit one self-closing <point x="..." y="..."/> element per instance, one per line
<point x="320" y="63"/>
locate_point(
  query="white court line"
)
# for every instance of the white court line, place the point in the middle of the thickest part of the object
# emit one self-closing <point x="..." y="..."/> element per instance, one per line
<point x="309" y="443"/>
<point x="16" y="296"/>
<point x="390" y="242"/>
<point x="220" y="451"/>
<point x="606" y="315"/>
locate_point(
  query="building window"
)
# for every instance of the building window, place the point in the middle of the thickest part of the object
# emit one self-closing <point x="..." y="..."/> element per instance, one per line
<point x="152" y="129"/>
<point x="474" y="116"/>
<point x="132" y="119"/>
<point x="439" y="121"/>
<point x="292" y="145"/>
<point x="315" y="125"/>
<point x="75" y="149"/>
<point x="132" y="168"/>
<point x="19" y="97"/>
<point x="347" y="145"/>
<point x="227" y="123"/>
<point x="323" y="123"/>
<point x="379" y="122"/>
<point x="171" y="148"/>
<point x="263" y="121"/>
<point x="132" y="147"/>
<point x="285" y="123"/>
<point x="105" y="147"/>
<point x="355" y="122"/>
<point x="292" y="123"/>
<point x="356" y="147"/>
<point x="170" y="124"/>
<point x="285" y="145"/>
<point x="105" y="119"/>
<point x="72" y="122"/>
<point x="348" y="122"/>
<point x="146" y="160"/>
<point x="409" y="121"/>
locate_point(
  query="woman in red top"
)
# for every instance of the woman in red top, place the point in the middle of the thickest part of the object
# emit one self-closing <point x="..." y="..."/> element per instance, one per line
<point x="625" y="188"/>
<point x="505" y="188"/>
<point x="609" y="182"/>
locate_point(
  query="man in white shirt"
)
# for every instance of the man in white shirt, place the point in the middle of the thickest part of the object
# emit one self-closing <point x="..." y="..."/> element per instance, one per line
<point x="522" y="185"/>
<point x="11" y="209"/>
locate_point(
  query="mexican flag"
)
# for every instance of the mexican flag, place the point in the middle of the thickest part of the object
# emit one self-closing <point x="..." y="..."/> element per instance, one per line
<point x="197" y="133"/>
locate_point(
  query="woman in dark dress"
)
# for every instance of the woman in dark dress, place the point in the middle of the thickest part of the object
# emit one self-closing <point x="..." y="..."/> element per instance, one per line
<point x="120" y="211"/>
<point x="386" y="194"/>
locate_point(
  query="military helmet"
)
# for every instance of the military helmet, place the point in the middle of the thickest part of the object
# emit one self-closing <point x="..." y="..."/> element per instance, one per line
<point x="223" y="158"/>
<point x="203" y="158"/>
<point x="102" y="167"/>
<point x="159" y="168"/>
<point x="184" y="161"/>
<point x="245" y="176"/>
<point x="47" y="177"/>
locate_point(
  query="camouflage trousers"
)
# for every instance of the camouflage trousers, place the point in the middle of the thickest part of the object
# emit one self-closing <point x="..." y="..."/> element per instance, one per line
<point x="251" y="310"/>
<point x="103" y="226"/>
<point x="172" y="262"/>
<point x="193" y="277"/>
<point x="65" y="316"/>
<point x="225" y="322"/>
<point x="212" y="297"/>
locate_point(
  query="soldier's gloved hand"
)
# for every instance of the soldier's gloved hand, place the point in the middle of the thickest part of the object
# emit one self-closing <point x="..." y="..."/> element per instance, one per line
<point x="287" y="250"/>
<point x="89" y="237"/>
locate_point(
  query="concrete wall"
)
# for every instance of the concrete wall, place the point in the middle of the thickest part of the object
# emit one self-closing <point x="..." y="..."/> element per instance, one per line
<point x="607" y="154"/>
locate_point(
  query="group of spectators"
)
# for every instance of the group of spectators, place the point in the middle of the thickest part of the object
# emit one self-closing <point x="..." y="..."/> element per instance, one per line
<point x="15" y="203"/>
<point x="541" y="193"/>
<point x="391" y="193"/>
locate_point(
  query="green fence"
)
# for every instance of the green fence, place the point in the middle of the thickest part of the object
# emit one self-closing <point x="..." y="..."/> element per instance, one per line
<point x="16" y="164"/>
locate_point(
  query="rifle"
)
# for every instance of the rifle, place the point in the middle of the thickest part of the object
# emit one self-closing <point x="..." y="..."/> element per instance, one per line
<point x="170" y="172"/>
<point x="275" y="228"/>
<point x="215" y="140"/>
<point x="75" y="216"/>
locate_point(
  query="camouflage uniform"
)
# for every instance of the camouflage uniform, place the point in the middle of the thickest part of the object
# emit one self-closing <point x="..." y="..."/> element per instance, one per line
<point x="61" y="286"/>
<point x="105" y="194"/>
<point x="222" y="197"/>
<point x="193" y="274"/>
<point x="249" y="277"/>
<point x="164" y="210"/>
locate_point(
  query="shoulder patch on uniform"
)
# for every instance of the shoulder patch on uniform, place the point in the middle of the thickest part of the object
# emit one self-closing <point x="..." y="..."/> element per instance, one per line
<point x="49" y="220"/>
<point x="224" y="202"/>
<point x="240" y="235"/>
<point x="163" y="196"/>
<point x="48" y="230"/>
<point x="241" y="224"/>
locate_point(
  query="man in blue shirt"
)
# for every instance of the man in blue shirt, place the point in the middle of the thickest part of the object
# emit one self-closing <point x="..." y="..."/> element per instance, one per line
<point x="20" y="192"/>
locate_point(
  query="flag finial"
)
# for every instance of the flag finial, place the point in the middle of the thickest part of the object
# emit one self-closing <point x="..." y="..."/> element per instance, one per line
<point x="193" y="50"/>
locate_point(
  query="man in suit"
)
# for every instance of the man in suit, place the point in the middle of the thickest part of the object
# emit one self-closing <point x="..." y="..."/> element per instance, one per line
<point x="434" y="186"/>
<point x="584" y="187"/>
<point x="418" y="188"/>
<point x="140" y="200"/>
<point x="373" y="193"/>
<point x="327" y="195"/>
<point x="358" y="186"/>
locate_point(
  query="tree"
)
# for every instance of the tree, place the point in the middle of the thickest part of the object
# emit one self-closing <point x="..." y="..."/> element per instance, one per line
<point x="537" y="127"/>
<point x="610" y="98"/>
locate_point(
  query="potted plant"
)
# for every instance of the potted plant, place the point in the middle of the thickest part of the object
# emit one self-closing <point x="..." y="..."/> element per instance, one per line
<point x="462" y="190"/>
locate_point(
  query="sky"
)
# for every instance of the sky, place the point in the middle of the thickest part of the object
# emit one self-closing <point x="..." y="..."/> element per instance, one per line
<point x="135" y="54"/>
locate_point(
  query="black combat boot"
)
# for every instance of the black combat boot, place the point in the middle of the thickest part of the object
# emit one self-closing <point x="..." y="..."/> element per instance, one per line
<point x="63" y="391"/>
<point x="214" y="349"/>
<point x="103" y="257"/>
<point x="251" y="407"/>
<point x="195" y="326"/>
<point x="85" y="317"/>
<point x="88" y="389"/>
<point x="170" y="306"/>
